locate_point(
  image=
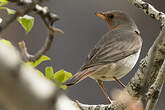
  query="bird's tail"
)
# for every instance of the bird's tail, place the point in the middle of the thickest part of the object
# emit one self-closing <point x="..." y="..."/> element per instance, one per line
<point x="79" y="76"/>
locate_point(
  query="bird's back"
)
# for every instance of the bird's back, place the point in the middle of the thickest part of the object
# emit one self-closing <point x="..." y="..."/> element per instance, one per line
<point x="113" y="46"/>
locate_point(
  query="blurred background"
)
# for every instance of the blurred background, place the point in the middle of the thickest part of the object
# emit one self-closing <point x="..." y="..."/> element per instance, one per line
<point x="82" y="30"/>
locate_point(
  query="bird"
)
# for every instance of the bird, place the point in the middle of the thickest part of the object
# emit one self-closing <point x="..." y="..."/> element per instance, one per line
<point x="115" y="54"/>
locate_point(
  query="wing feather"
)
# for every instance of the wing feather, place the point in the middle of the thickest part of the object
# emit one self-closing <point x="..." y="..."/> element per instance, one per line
<point x="113" y="48"/>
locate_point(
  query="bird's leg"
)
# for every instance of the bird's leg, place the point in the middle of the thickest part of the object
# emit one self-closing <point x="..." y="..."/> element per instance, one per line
<point x="100" y="83"/>
<point x="119" y="82"/>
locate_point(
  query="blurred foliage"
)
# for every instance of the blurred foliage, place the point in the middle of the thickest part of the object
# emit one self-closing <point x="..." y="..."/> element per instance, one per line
<point x="3" y="2"/>
<point x="26" y="22"/>
<point x="58" y="77"/>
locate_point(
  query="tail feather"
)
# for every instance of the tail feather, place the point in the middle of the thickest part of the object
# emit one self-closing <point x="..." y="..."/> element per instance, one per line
<point x="79" y="76"/>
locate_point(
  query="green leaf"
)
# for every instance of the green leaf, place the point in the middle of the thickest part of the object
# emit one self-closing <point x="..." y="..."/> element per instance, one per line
<point x="60" y="77"/>
<point x="6" y="42"/>
<point x="27" y="22"/>
<point x="67" y="76"/>
<point x="10" y="11"/>
<point x="49" y="72"/>
<point x="40" y="73"/>
<point x="3" y="2"/>
<point x="39" y="61"/>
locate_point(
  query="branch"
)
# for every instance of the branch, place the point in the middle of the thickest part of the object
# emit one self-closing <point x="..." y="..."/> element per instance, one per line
<point x="28" y="6"/>
<point x="42" y="51"/>
<point x="48" y="19"/>
<point x="155" y="90"/>
<point x="149" y="10"/>
<point x="155" y="55"/>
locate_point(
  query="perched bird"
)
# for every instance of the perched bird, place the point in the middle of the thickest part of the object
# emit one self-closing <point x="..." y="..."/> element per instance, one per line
<point x="115" y="54"/>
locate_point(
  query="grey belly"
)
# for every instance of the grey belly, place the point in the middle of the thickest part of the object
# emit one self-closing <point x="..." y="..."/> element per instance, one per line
<point x="117" y="69"/>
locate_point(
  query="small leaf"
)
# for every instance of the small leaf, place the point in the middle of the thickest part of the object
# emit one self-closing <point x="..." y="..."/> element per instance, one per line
<point x="26" y="22"/>
<point x="3" y="2"/>
<point x="60" y="77"/>
<point x="10" y="11"/>
<point x="39" y="61"/>
<point x="6" y="42"/>
<point x="49" y="72"/>
<point x="67" y="76"/>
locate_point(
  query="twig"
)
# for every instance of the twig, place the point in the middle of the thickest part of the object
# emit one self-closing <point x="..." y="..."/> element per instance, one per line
<point x="24" y="51"/>
<point x="42" y="51"/>
<point x="44" y="13"/>
<point x="6" y="23"/>
<point x="149" y="10"/>
<point x="48" y="19"/>
<point x="155" y="90"/>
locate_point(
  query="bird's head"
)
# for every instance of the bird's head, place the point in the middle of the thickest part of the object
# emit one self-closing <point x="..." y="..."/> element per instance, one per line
<point x="116" y="19"/>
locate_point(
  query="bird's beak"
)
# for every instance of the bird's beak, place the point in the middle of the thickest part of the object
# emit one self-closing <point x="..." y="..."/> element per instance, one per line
<point x="100" y="14"/>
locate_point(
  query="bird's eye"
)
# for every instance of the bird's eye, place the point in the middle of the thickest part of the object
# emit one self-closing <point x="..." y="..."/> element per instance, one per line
<point x="111" y="16"/>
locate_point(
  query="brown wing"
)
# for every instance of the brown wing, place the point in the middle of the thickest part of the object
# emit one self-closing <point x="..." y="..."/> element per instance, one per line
<point x="113" y="48"/>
